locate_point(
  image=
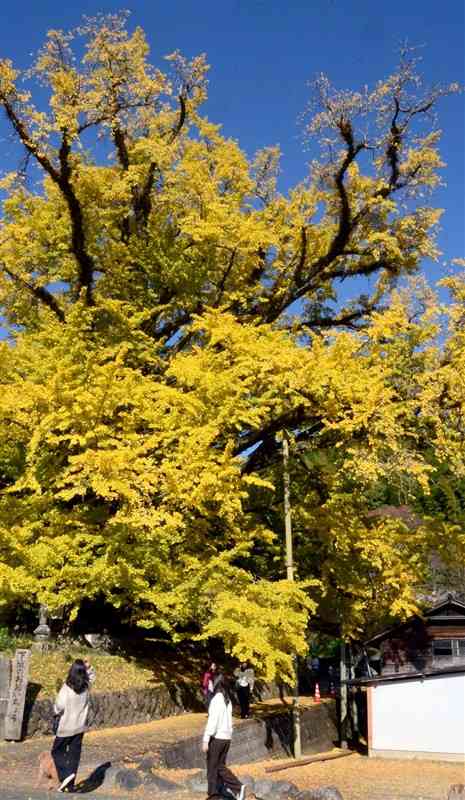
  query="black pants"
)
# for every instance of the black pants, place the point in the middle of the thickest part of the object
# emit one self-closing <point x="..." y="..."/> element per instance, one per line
<point x="66" y="753"/>
<point x="243" y="695"/>
<point x="217" y="771"/>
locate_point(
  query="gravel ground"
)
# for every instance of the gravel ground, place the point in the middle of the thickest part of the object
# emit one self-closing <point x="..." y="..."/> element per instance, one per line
<point x="360" y="778"/>
<point x="357" y="777"/>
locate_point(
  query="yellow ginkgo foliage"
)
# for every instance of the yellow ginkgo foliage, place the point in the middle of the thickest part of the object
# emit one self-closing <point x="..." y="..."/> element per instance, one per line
<point x="170" y="312"/>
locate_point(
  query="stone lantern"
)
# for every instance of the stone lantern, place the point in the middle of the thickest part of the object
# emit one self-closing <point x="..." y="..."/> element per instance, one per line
<point x="42" y="632"/>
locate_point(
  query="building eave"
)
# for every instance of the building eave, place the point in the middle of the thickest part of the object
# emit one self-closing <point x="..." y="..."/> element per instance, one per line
<point x="430" y="613"/>
<point x="408" y="676"/>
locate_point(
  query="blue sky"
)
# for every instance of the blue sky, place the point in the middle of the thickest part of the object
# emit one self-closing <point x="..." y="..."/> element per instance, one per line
<point x="264" y="52"/>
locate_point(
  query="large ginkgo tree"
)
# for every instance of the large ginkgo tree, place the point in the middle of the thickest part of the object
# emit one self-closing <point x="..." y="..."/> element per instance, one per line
<point x="170" y="313"/>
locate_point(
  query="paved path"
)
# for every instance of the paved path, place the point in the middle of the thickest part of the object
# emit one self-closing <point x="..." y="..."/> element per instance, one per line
<point x="357" y="777"/>
<point x="115" y="747"/>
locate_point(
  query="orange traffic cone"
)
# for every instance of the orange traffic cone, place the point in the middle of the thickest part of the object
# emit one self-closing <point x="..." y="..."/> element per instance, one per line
<point x="317" y="693"/>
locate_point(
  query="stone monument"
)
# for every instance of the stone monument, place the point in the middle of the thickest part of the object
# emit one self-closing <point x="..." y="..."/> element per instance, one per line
<point x="17" y="696"/>
<point x="5" y="676"/>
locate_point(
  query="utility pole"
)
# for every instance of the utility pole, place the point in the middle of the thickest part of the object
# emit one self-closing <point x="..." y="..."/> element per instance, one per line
<point x="343" y="694"/>
<point x="290" y="577"/>
<point x="353" y="699"/>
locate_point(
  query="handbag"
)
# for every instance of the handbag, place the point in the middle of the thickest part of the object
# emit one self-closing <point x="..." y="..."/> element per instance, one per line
<point x="55" y="722"/>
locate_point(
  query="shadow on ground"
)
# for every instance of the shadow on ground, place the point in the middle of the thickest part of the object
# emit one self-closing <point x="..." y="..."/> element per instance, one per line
<point x="94" y="780"/>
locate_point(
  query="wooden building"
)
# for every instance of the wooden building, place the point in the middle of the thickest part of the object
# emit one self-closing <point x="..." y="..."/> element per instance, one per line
<point x="431" y="643"/>
<point x="416" y="702"/>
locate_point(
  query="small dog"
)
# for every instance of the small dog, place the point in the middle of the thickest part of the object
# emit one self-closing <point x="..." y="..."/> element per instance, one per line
<point x="456" y="792"/>
<point x="48" y="770"/>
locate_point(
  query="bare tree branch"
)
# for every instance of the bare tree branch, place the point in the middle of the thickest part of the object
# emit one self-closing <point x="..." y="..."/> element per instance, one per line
<point x="224" y="278"/>
<point x="39" y="292"/>
<point x="363" y="269"/>
<point x="26" y="140"/>
<point x="142" y="195"/>
<point x="393" y="148"/>
<point x="343" y="320"/>
<point x="173" y="326"/>
<point x="288" y="419"/>
<point x="269" y="449"/>
<point x="143" y="200"/>
<point x="121" y="147"/>
<point x="345" y="221"/>
<point x="62" y="178"/>
<point x="298" y="274"/>
<point x="344" y="230"/>
<point x="182" y="117"/>
<point x="258" y="271"/>
<point x="85" y="261"/>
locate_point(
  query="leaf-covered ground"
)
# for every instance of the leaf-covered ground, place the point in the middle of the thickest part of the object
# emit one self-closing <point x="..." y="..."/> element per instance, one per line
<point x="114" y="672"/>
<point x="135" y="666"/>
<point x="360" y="778"/>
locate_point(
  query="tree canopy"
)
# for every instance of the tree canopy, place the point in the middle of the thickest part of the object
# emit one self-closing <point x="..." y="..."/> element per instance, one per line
<point x="170" y="312"/>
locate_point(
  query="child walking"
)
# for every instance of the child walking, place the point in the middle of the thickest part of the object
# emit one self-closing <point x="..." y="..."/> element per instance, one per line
<point x="216" y="743"/>
<point x="72" y="704"/>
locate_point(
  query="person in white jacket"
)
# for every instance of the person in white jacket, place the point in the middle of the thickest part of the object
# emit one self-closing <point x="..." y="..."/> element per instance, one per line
<point x="72" y="706"/>
<point x="216" y="743"/>
<point x="245" y="680"/>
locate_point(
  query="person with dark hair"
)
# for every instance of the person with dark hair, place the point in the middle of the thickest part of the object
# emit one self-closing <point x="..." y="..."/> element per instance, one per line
<point x="245" y="680"/>
<point x="217" y="740"/>
<point x="207" y="683"/>
<point x="72" y="706"/>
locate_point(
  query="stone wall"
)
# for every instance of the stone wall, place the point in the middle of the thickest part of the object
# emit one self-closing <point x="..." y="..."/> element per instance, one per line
<point x="129" y="707"/>
<point x="259" y="739"/>
<point x="109" y="709"/>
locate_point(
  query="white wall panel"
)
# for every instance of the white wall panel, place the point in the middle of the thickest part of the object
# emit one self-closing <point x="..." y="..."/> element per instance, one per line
<point x="419" y="715"/>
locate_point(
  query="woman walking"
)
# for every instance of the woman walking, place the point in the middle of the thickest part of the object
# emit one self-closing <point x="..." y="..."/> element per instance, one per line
<point x="216" y="743"/>
<point x="72" y="706"/>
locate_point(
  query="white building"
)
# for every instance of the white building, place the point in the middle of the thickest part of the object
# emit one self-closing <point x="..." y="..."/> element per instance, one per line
<point x="416" y="705"/>
<point x="417" y="716"/>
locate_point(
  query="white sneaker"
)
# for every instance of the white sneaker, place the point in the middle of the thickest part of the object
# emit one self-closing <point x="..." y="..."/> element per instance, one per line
<point x="66" y="781"/>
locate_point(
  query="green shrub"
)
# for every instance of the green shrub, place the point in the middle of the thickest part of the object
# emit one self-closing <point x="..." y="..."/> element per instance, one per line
<point x="7" y="641"/>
